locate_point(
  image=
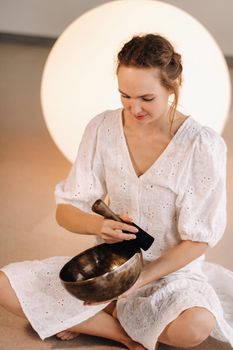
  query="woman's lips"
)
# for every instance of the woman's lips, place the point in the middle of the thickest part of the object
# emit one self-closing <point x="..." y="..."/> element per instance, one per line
<point x="140" y="117"/>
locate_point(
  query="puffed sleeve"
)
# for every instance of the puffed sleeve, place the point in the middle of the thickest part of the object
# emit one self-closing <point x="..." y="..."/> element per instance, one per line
<point x="201" y="203"/>
<point x="86" y="181"/>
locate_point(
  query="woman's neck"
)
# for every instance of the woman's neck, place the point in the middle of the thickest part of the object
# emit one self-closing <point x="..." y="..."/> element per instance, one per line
<point x="161" y="126"/>
<point x="158" y="126"/>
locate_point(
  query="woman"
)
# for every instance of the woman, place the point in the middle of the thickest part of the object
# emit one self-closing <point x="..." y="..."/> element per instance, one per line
<point x="167" y="172"/>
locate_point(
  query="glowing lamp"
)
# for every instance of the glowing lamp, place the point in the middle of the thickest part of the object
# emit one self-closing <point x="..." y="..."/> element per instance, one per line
<point x="79" y="78"/>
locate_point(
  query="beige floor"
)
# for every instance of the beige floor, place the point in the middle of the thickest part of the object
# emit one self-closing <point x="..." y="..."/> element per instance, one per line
<point x="31" y="165"/>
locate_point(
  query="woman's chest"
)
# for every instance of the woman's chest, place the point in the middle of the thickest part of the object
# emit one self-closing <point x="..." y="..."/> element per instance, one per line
<point x="144" y="152"/>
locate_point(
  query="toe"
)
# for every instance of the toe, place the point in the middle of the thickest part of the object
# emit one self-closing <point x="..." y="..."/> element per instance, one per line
<point x="72" y="336"/>
<point x="63" y="335"/>
<point x="60" y="334"/>
<point x="67" y="335"/>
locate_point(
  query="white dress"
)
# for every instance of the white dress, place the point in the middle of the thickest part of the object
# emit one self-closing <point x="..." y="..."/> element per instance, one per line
<point x="180" y="197"/>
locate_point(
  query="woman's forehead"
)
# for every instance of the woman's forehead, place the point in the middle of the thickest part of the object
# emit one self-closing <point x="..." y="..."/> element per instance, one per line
<point x="139" y="71"/>
<point x="138" y="81"/>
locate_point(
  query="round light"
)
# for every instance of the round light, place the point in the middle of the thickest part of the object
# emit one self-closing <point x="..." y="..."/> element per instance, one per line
<point x="79" y="76"/>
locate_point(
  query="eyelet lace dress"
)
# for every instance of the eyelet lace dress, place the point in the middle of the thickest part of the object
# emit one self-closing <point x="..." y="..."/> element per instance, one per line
<point x="180" y="197"/>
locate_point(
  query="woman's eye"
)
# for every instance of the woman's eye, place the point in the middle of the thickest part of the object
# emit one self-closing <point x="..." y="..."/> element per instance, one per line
<point x="143" y="98"/>
<point x="148" y="99"/>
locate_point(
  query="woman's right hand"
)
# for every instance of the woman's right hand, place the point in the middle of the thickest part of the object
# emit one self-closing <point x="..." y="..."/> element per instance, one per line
<point x="111" y="231"/>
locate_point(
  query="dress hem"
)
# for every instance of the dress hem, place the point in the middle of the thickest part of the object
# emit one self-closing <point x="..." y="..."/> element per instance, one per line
<point x="65" y="325"/>
<point x="164" y="323"/>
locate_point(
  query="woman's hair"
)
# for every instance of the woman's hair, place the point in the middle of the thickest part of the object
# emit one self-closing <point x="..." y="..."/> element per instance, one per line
<point x="154" y="51"/>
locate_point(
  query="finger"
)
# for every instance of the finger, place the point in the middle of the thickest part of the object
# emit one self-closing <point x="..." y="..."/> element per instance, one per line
<point x="110" y="233"/>
<point x="113" y="236"/>
<point x="121" y="236"/>
<point x="123" y="227"/>
<point x="127" y="236"/>
<point x="117" y="225"/>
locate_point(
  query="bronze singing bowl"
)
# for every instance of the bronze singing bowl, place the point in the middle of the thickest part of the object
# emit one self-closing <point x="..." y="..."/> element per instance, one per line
<point x="103" y="272"/>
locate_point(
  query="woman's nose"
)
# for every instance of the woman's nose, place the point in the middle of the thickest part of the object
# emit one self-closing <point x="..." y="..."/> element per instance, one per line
<point x="135" y="107"/>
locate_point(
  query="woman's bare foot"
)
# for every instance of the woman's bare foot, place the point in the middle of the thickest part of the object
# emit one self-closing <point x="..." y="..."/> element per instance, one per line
<point x="67" y="335"/>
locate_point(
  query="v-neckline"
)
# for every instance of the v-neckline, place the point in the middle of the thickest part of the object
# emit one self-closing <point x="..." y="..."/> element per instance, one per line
<point x="162" y="154"/>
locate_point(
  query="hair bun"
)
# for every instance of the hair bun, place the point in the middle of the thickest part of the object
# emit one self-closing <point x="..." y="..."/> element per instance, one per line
<point x="175" y="65"/>
<point x="176" y="57"/>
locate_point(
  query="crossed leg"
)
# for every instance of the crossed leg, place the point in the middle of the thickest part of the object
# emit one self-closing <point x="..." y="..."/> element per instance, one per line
<point x="189" y="329"/>
<point x="103" y="324"/>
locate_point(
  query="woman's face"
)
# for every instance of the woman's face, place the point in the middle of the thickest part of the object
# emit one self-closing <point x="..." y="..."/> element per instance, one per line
<point x="143" y="97"/>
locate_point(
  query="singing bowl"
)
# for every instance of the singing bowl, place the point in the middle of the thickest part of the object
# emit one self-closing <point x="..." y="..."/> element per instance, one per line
<point x="103" y="272"/>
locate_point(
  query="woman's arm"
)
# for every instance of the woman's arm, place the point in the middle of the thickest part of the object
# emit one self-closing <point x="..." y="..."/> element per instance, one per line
<point x="174" y="259"/>
<point x="75" y="220"/>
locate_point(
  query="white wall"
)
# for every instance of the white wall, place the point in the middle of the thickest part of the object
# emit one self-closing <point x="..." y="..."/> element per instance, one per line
<point x="41" y="17"/>
<point x="215" y="15"/>
<point x="51" y="17"/>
